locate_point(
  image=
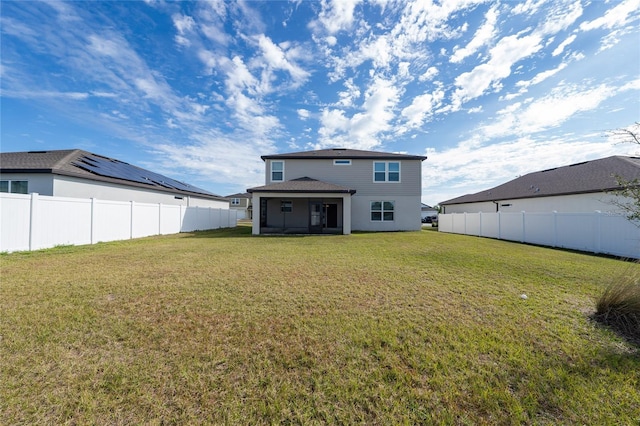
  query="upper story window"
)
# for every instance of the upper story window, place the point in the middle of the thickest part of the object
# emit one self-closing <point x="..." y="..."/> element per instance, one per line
<point x="277" y="171"/>
<point x="235" y="201"/>
<point x="386" y="171"/>
<point x="341" y="162"/>
<point x="14" y="186"/>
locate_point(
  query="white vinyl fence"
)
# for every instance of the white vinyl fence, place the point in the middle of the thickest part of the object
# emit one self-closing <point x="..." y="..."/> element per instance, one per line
<point x="32" y="222"/>
<point x="592" y="232"/>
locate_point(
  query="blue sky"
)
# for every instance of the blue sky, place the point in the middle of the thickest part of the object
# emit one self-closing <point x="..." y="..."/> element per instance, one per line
<point x="199" y="91"/>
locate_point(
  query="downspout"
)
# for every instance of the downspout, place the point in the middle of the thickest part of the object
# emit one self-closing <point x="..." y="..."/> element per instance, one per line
<point x="497" y="206"/>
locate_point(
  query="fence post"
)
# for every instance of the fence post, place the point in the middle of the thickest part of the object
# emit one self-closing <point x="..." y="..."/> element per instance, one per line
<point x="131" y="221"/>
<point x="465" y="223"/>
<point x="93" y="220"/>
<point x="522" y="239"/>
<point x="598" y="231"/>
<point x="159" y="218"/>
<point x="33" y="209"/>
<point x="555" y="228"/>
<point x="499" y="227"/>
<point x="480" y="219"/>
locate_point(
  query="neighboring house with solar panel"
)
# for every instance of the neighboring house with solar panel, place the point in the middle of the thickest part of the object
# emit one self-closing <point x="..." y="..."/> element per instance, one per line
<point x="337" y="191"/>
<point x="583" y="187"/>
<point x="80" y="174"/>
<point x="241" y="203"/>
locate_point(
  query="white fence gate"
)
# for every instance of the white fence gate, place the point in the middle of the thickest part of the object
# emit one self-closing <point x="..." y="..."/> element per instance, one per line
<point x="592" y="232"/>
<point x="32" y="222"/>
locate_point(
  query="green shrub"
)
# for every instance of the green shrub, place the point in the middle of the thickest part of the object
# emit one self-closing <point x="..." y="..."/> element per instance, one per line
<point x="619" y="305"/>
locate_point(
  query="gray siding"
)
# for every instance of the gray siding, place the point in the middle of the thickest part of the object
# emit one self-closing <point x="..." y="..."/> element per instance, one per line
<point x="38" y="182"/>
<point x="358" y="176"/>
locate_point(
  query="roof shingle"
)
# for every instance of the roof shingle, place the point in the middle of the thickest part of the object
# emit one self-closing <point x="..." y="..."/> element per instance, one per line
<point x="69" y="162"/>
<point x="302" y="185"/>
<point x="589" y="176"/>
<point x="343" y="153"/>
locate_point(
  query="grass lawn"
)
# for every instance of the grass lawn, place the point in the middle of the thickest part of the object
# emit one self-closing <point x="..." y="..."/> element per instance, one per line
<point x="389" y="328"/>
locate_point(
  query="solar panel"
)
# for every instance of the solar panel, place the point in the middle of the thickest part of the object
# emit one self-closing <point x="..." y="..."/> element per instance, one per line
<point x="109" y="167"/>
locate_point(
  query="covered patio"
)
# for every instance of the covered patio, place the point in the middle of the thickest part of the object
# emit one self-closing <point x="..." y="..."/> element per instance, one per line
<point x="302" y="206"/>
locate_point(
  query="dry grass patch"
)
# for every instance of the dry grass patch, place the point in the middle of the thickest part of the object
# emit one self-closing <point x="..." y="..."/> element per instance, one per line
<point x="222" y="327"/>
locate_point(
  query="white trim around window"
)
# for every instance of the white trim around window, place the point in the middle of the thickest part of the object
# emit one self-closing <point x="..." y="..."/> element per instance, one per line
<point x="14" y="186"/>
<point x="386" y="171"/>
<point x="382" y="211"/>
<point x="277" y="171"/>
<point x="341" y="162"/>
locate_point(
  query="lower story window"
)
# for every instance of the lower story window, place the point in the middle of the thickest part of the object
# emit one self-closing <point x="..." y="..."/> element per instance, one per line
<point x="14" y="186"/>
<point x="382" y="211"/>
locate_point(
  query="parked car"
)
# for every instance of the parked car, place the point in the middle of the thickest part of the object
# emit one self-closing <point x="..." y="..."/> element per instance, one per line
<point x="430" y="219"/>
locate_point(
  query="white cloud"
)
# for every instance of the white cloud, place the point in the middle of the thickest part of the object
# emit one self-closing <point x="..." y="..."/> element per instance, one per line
<point x="483" y="36"/>
<point x="504" y="55"/>
<point x="549" y="111"/>
<point x="303" y="114"/>
<point x="466" y="169"/>
<point x="336" y="15"/>
<point x="279" y="58"/>
<point x="364" y="129"/>
<point x="429" y="74"/>
<point x="617" y="16"/>
<point x="558" y="50"/>
<point x="540" y="77"/>
<point x="422" y="108"/>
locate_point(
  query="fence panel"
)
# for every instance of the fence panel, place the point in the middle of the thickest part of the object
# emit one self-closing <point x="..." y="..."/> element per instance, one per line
<point x="15" y="226"/>
<point x="511" y="226"/>
<point x="146" y="220"/>
<point x="29" y="222"/>
<point x="170" y="219"/>
<point x="63" y="221"/>
<point x="539" y="228"/>
<point x="620" y="239"/>
<point x="577" y="231"/>
<point x="490" y="225"/>
<point x="111" y="220"/>
<point x="591" y="232"/>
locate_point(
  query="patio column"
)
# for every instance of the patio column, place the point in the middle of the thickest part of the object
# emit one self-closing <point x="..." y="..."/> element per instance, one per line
<point x="346" y="214"/>
<point x="255" y="220"/>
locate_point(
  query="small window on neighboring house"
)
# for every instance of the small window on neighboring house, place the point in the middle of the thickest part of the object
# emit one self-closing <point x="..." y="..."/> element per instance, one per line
<point x="235" y="201"/>
<point x="386" y="171"/>
<point x="382" y="211"/>
<point x="14" y="186"/>
<point x="341" y="162"/>
<point x="277" y="171"/>
<point x="286" y="206"/>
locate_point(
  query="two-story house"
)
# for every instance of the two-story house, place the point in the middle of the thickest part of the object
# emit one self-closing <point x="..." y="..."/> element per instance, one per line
<point x="241" y="203"/>
<point x="338" y="190"/>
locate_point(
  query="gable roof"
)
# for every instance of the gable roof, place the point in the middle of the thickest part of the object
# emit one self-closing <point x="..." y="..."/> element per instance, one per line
<point x="343" y="153"/>
<point x="82" y="164"/>
<point x="303" y="185"/>
<point x="589" y="176"/>
<point x="239" y="195"/>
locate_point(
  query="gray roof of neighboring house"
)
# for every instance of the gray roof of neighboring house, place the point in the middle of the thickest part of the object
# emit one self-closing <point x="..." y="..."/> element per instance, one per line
<point x="82" y="164"/>
<point x="334" y="153"/>
<point x="239" y="195"/>
<point x="302" y="185"/>
<point x="589" y="176"/>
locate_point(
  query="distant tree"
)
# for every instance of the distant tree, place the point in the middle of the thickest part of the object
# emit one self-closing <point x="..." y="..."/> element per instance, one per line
<point x="629" y="201"/>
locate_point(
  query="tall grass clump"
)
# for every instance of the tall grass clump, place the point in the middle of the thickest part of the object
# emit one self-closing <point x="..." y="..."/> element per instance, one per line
<point x="619" y="305"/>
